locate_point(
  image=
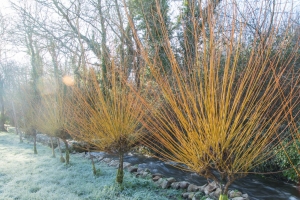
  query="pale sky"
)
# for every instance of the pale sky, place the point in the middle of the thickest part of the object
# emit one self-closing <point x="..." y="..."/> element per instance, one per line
<point x="4" y="7"/>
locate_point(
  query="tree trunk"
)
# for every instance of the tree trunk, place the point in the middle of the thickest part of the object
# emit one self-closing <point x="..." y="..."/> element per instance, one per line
<point x="62" y="159"/>
<point x="67" y="151"/>
<point x="223" y="197"/>
<point x="120" y="173"/>
<point x="93" y="164"/>
<point x="52" y="146"/>
<point x="34" y="142"/>
<point x="20" y="134"/>
<point x="104" y="55"/>
<point x="138" y="68"/>
<point x="16" y="123"/>
<point x="122" y="50"/>
<point x="224" y="193"/>
<point x="226" y="187"/>
<point x="2" y="120"/>
<point x="24" y="125"/>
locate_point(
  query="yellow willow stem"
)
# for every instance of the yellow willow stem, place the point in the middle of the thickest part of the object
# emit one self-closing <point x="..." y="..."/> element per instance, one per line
<point x="223" y="197"/>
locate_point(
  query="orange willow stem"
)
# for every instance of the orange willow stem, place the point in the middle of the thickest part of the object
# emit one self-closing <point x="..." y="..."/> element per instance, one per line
<point x="221" y="111"/>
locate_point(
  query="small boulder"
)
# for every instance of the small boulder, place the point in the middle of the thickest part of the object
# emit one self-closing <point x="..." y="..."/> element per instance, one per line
<point x="98" y="154"/>
<point x="171" y="179"/>
<point x="145" y="174"/>
<point x="77" y="146"/>
<point x="210" y="187"/>
<point x="193" y="188"/>
<point x="114" y="163"/>
<point x="191" y="195"/>
<point x="157" y="174"/>
<point x="140" y="170"/>
<point x="237" y="198"/>
<point x="156" y="178"/>
<point x="159" y="182"/>
<point x="147" y="170"/>
<point x="184" y="184"/>
<point x="217" y="192"/>
<point x="132" y="169"/>
<point x="197" y="196"/>
<point x="201" y="188"/>
<point x="234" y="193"/>
<point x="175" y="185"/>
<point x="126" y="165"/>
<point x="107" y="160"/>
<point x="167" y="183"/>
<point x="245" y="196"/>
<point x="186" y="195"/>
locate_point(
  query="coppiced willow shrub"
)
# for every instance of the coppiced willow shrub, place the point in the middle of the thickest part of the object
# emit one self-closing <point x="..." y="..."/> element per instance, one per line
<point x="106" y="116"/>
<point x="30" y="126"/>
<point x="30" y="112"/>
<point x="222" y="111"/>
<point x="52" y="118"/>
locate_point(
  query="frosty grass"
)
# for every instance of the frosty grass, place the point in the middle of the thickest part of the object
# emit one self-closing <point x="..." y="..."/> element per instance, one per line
<point x="26" y="176"/>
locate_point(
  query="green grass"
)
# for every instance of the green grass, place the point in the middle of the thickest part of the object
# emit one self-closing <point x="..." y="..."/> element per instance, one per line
<point x="24" y="175"/>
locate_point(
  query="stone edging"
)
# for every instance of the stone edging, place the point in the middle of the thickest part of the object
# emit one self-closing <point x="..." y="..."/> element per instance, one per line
<point x="190" y="191"/>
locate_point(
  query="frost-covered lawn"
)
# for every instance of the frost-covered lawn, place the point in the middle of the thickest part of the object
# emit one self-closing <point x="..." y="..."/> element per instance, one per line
<point x="24" y="175"/>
